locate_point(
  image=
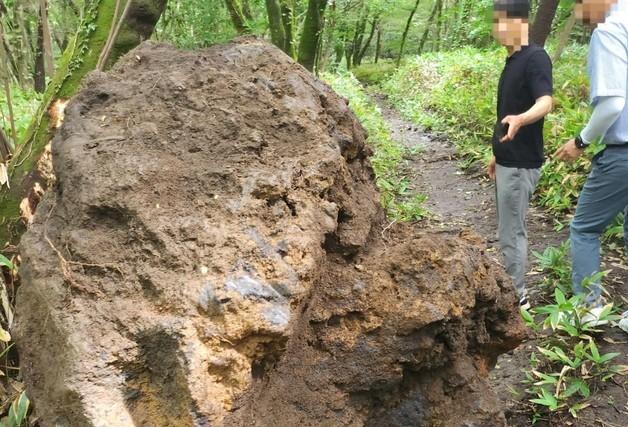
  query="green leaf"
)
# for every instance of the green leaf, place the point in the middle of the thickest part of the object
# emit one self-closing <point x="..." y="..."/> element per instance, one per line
<point x="548" y="353"/>
<point x="608" y="356"/>
<point x="569" y="328"/>
<point x="547" y="399"/>
<point x="527" y="317"/>
<point x="560" y="297"/>
<point x="572" y="389"/>
<point x="19" y="409"/>
<point x="5" y="262"/>
<point x="594" y="351"/>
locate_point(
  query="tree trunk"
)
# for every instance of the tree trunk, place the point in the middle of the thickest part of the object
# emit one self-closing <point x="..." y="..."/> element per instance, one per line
<point x="39" y="74"/>
<point x="47" y="38"/>
<point x="237" y="16"/>
<point x="12" y="66"/>
<point x="406" y="30"/>
<point x="439" y="26"/>
<point x="378" y="44"/>
<point x="312" y="29"/>
<point x="286" y="19"/>
<point x="275" y="24"/>
<point x="564" y="36"/>
<point x="246" y="10"/>
<point x="542" y="26"/>
<point x="358" y="36"/>
<point x="79" y="59"/>
<point x="5" y="147"/>
<point x="25" y="54"/>
<point x="362" y="52"/>
<point x="428" y="27"/>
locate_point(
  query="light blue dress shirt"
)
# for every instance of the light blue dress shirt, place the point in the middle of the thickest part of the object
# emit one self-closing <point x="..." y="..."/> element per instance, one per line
<point x="608" y="67"/>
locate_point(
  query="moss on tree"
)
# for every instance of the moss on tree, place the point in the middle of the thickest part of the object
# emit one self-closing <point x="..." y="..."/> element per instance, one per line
<point x="78" y="60"/>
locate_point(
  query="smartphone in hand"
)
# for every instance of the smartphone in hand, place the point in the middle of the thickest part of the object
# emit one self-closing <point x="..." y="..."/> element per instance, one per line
<point x="501" y="130"/>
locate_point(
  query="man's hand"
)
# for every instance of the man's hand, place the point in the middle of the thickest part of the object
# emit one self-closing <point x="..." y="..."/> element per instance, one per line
<point x="514" y="124"/>
<point x="568" y="152"/>
<point x="540" y="109"/>
<point x="491" y="168"/>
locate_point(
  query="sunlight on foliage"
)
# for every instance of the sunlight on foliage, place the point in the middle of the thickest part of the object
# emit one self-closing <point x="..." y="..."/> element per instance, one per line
<point x="388" y="153"/>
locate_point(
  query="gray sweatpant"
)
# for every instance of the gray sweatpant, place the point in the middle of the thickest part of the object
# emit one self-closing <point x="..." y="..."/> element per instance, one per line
<point x="514" y="191"/>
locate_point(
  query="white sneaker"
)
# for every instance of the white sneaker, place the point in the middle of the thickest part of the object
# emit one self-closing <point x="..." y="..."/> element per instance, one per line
<point x="592" y="318"/>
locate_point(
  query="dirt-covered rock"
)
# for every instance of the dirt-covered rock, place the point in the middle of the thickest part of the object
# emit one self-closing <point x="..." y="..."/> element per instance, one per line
<point x="214" y="253"/>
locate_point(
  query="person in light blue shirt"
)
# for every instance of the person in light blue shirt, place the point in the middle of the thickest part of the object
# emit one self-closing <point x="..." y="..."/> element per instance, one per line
<point x="605" y="193"/>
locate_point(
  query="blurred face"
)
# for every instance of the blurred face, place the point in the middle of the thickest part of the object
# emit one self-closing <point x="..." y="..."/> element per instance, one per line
<point x="593" y="12"/>
<point x="510" y="32"/>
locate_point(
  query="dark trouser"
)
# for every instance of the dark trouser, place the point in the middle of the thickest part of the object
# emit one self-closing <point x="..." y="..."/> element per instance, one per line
<point x="603" y="197"/>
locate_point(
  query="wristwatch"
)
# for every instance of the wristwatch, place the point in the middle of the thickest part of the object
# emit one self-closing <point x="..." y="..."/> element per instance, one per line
<point x="580" y="144"/>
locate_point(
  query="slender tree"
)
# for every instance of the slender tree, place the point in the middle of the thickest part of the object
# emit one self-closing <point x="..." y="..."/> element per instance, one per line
<point x="358" y="36"/>
<point x="47" y="38"/>
<point x="312" y="30"/>
<point x="238" y="16"/>
<point x="428" y="25"/>
<point x="5" y="147"/>
<point x="564" y="36"/>
<point x="276" y="24"/>
<point x="362" y="50"/>
<point x="287" y="17"/>
<point x="378" y="44"/>
<point x="542" y="26"/>
<point x="25" y="47"/>
<point x="39" y="72"/>
<point x="406" y="30"/>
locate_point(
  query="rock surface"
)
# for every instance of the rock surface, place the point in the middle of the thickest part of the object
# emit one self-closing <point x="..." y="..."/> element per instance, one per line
<point x="213" y="254"/>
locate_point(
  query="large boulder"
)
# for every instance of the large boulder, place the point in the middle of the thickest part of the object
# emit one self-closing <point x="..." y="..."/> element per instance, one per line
<point x="214" y="253"/>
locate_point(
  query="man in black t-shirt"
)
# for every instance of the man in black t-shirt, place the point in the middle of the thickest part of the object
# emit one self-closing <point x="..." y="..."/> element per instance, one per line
<point x="524" y="98"/>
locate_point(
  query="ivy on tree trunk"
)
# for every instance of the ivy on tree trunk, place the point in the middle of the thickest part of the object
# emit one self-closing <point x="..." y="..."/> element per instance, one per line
<point x="80" y="58"/>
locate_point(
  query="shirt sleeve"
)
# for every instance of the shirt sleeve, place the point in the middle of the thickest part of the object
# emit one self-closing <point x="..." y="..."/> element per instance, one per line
<point x="607" y="110"/>
<point x="608" y="65"/>
<point x="539" y="74"/>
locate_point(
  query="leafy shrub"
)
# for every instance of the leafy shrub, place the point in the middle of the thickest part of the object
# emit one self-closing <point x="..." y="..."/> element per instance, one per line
<point x="372" y="74"/>
<point x="569" y="362"/>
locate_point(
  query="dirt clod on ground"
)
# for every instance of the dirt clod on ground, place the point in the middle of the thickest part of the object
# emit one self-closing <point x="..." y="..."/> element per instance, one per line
<point x="214" y="253"/>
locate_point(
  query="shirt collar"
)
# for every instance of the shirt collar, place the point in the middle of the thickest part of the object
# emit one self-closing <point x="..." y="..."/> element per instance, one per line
<point x="517" y="53"/>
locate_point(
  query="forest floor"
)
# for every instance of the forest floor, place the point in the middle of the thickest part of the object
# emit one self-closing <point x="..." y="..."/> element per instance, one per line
<point x="466" y="200"/>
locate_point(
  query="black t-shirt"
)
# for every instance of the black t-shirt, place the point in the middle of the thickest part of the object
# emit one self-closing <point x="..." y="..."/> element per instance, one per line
<point x="527" y="76"/>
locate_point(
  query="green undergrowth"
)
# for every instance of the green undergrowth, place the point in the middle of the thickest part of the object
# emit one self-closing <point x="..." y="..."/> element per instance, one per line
<point x="568" y="367"/>
<point x="388" y="155"/>
<point x="372" y="74"/>
<point x="455" y="93"/>
<point x="25" y="104"/>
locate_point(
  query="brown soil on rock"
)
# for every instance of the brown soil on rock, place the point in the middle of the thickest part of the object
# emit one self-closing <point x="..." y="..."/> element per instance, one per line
<point x="213" y="253"/>
<point x="466" y="199"/>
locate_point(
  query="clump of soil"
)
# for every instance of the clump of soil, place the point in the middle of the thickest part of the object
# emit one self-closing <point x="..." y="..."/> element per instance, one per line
<point x="214" y="253"/>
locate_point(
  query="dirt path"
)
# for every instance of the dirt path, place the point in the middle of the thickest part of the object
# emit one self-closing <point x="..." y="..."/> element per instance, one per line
<point x="460" y="199"/>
